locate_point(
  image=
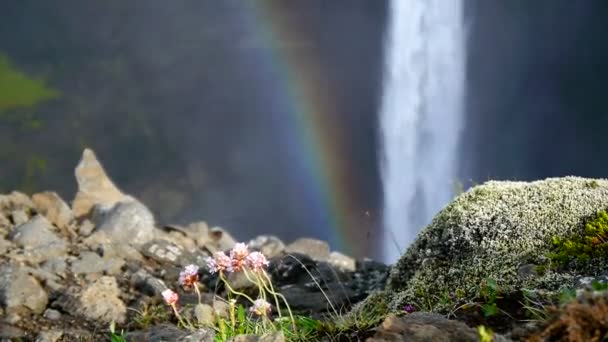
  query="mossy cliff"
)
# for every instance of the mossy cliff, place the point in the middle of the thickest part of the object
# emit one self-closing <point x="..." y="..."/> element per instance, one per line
<point x="498" y="230"/>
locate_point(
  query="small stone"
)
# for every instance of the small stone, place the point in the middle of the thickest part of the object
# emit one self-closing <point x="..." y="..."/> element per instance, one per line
<point x="20" y="290"/>
<point x="221" y="309"/>
<point x="15" y="201"/>
<point x="56" y="265"/>
<point x="90" y="262"/>
<point x="316" y="249"/>
<point x="342" y="262"/>
<point x="100" y="301"/>
<point x="219" y="240"/>
<point x="49" y="336"/>
<point x="86" y="228"/>
<point x="204" y="315"/>
<point x="19" y="217"/>
<point x="35" y="233"/>
<point x="270" y="246"/>
<point x="53" y="208"/>
<point x="422" y="326"/>
<point x="119" y="250"/>
<point x="276" y="336"/>
<point x="36" y="255"/>
<point x="52" y="314"/>
<point x="4" y="246"/>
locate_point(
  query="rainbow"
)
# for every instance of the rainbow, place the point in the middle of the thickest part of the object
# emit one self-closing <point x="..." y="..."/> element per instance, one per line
<point x="303" y="99"/>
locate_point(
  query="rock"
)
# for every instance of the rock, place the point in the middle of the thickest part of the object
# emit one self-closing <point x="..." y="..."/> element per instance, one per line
<point x="497" y="230"/>
<point x="35" y="233"/>
<point x="341" y="261"/>
<point x="15" y="201"/>
<point x="219" y="240"/>
<point x="36" y="255"/>
<point x="19" y="290"/>
<point x="53" y="208"/>
<point x="197" y="232"/>
<point x="86" y="228"/>
<point x="52" y="314"/>
<point x="19" y="217"/>
<point x="119" y="250"/>
<point x="270" y="246"/>
<point x="316" y="249"/>
<point x="127" y="221"/>
<point x="147" y="284"/>
<point x="94" y="186"/>
<point x="10" y="333"/>
<point x="204" y="314"/>
<point x="166" y="252"/>
<point x="5" y="246"/>
<point x="268" y="337"/>
<point x="100" y="301"/>
<point x="423" y="327"/>
<point x="49" y="336"/>
<point x="56" y="265"/>
<point x="166" y="332"/>
<point x="90" y="262"/>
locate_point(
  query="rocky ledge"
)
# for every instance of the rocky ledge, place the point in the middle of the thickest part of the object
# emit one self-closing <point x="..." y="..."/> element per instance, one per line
<point x="504" y="261"/>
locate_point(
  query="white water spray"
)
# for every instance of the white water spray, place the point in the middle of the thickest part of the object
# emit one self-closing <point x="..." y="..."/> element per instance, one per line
<point x="421" y="116"/>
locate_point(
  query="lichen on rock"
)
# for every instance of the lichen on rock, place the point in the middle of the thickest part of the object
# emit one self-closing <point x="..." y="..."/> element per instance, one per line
<point x="498" y="230"/>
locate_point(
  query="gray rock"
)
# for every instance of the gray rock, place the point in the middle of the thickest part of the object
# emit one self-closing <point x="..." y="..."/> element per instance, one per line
<point x="19" y="217"/>
<point x="100" y="301"/>
<point x="166" y="332"/>
<point x="316" y="249"/>
<point x="90" y="262"/>
<point x="166" y="252"/>
<point x="219" y="240"/>
<point x="148" y="284"/>
<point x="94" y="186"/>
<point x="423" y="327"/>
<point x="56" y="265"/>
<point x="35" y="233"/>
<point x="268" y="337"/>
<point x="49" y="336"/>
<point x="52" y="314"/>
<point x="18" y="290"/>
<point x="270" y="246"/>
<point x="128" y="221"/>
<point x="36" y="255"/>
<point x="53" y="208"/>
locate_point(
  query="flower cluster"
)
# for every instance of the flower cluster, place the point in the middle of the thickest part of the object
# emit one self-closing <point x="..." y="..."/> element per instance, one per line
<point x="240" y="259"/>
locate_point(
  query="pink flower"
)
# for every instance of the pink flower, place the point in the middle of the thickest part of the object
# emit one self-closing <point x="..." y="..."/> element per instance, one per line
<point x="256" y="261"/>
<point x="238" y="254"/>
<point x="219" y="263"/>
<point x="260" y="307"/>
<point x="188" y="276"/>
<point x="170" y="297"/>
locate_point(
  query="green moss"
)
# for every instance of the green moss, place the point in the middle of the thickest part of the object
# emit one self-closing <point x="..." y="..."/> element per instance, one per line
<point x="591" y="244"/>
<point x="17" y="90"/>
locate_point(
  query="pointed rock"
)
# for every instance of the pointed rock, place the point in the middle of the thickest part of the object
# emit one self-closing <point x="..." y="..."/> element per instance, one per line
<point x="94" y="186"/>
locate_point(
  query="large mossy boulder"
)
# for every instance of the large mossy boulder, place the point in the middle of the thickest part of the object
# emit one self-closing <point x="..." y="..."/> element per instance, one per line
<point x="500" y="230"/>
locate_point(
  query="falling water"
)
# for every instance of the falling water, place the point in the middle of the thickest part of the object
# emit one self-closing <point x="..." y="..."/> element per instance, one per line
<point x="421" y="116"/>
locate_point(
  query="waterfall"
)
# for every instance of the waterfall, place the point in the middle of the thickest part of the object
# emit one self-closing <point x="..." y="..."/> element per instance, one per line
<point x="421" y="115"/>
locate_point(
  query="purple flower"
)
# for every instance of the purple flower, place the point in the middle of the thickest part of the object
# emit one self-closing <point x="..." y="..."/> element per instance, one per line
<point x="219" y="263"/>
<point x="257" y="261"/>
<point x="188" y="276"/>
<point x="409" y="308"/>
